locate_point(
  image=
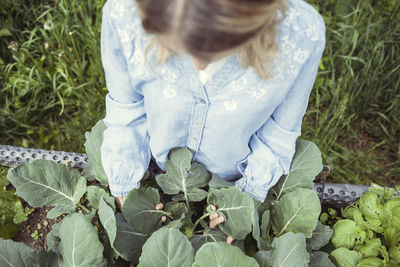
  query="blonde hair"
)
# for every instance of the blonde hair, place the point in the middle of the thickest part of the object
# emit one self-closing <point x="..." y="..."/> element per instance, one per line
<point x="209" y="28"/>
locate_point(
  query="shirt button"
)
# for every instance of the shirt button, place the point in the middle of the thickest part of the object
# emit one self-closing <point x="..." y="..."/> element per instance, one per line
<point x="194" y="138"/>
<point x="198" y="122"/>
<point x="202" y="101"/>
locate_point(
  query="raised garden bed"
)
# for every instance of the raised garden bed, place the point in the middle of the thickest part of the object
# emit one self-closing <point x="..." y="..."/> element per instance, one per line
<point x="75" y="221"/>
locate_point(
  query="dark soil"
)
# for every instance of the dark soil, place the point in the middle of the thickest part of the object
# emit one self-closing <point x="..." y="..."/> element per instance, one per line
<point x="33" y="231"/>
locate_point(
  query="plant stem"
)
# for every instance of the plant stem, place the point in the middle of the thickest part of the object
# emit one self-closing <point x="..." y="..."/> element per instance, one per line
<point x="187" y="202"/>
<point x="198" y="221"/>
<point x="168" y="215"/>
<point x="79" y="205"/>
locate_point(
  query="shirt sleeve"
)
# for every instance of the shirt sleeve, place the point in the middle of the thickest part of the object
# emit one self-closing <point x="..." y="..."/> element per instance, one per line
<point x="273" y="145"/>
<point x="125" y="152"/>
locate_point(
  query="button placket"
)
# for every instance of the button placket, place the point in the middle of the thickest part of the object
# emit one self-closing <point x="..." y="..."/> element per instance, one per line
<point x="200" y="108"/>
<point x="196" y="128"/>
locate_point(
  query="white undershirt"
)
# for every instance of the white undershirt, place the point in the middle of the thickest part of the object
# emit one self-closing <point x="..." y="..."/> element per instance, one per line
<point x="207" y="74"/>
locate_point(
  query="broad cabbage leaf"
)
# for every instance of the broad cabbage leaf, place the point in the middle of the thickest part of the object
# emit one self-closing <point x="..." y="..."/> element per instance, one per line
<point x="222" y="254"/>
<point x="94" y="139"/>
<point x="320" y="237"/>
<point x="167" y="247"/>
<point x="306" y="164"/>
<point x="140" y="211"/>
<point x="16" y="254"/>
<point x="80" y="244"/>
<point x="128" y="242"/>
<point x="237" y="208"/>
<point x="290" y="250"/>
<point x="182" y="176"/>
<point x="46" y="183"/>
<point x="296" y="212"/>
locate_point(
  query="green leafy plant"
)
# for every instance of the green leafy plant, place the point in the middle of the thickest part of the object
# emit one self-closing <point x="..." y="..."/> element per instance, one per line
<point x="12" y="213"/>
<point x="283" y="231"/>
<point x="35" y="235"/>
<point x="368" y="233"/>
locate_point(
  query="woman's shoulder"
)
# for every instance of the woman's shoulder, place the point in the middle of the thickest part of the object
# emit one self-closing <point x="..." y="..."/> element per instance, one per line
<point x="124" y="16"/>
<point x="301" y="34"/>
<point x="305" y="11"/>
<point x="303" y="23"/>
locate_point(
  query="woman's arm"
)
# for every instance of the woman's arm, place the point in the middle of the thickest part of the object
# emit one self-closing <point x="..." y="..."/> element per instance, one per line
<point x="125" y="151"/>
<point x="273" y="145"/>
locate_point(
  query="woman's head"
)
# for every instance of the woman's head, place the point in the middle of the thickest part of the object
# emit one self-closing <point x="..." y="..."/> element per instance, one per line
<point x="211" y="29"/>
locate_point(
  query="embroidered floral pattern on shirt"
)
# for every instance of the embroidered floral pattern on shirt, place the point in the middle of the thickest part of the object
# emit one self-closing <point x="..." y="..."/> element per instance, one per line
<point x="279" y="71"/>
<point x="169" y="92"/>
<point x="312" y="32"/>
<point x="300" y="56"/>
<point x="291" y="15"/>
<point x="287" y="46"/>
<point x="240" y="84"/>
<point x="138" y="60"/>
<point x="168" y="75"/>
<point x="293" y="55"/>
<point x="230" y="105"/>
<point x="257" y="94"/>
<point x="293" y="71"/>
<point x="118" y="11"/>
<point x="124" y="36"/>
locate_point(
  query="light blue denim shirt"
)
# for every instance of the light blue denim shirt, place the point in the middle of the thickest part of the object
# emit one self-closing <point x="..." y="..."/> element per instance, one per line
<point x="238" y="125"/>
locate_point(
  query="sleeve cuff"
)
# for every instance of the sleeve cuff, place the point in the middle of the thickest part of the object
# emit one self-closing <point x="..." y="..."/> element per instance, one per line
<point x="258" y="192"/>
<point x="261" y="170"/>
<point x="261" y="166"/>
<point x="122" y="190"/>
<point x="258" y="186"/>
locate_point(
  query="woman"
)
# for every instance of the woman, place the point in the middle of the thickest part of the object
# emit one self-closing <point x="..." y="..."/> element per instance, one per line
<point x="229" y="79"/>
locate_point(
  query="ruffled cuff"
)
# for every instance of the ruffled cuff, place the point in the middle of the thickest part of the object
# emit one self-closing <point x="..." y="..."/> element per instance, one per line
<point x="258" y="192"/>
<point x="119" y="190"/>
<point x="123" y="167"/>
<point x="260" y="170"/>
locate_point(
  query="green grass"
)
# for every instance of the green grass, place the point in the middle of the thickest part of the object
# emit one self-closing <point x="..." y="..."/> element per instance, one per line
<point x="52" y="87"/>
<point x="354" y="112"/>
